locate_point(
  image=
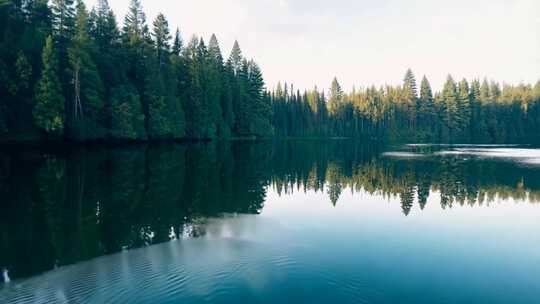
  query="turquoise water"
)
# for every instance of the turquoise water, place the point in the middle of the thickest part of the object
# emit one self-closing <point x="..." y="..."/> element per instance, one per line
<point x="289" y="222"/>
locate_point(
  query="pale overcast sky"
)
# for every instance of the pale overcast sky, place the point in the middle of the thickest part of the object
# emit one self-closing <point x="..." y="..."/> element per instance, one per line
<point x="308" y="42"/>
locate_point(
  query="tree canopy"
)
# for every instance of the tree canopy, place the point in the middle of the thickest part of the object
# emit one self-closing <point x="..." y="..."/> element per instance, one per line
<point x="71" y="73"/>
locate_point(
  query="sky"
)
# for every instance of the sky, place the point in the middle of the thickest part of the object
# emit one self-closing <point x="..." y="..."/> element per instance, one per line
<point x="363" y="43"/>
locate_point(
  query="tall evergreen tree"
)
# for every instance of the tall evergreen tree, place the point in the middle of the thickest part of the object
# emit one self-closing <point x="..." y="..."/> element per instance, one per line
<point x="336" y="97"/>
<point x="165" y="113"/>
<point x="410" y="95"/>
<point x="220" y="96"/>
<point x="49" y="109"/>
<point x="450" y="115"/>
<point x="178" y="43"/>
<point x="236" y="58"/>
<point x="409" y="85"/>
<point x="85" y="112"/>
<point x="63" y="20"/>
<point x="426" y="110"/>
<point x="162" y="38"/>
<point x="135" y="28"/>
<point x="464" y="105"/>
<point x="127" y="117"/>
<point x="485" y="93"/>
<point x="259" y="106"/>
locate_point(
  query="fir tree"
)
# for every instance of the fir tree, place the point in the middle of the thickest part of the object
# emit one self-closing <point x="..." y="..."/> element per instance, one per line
<point x="236" y="58"/>
<point x="426" y="110"/>
<point x="336" y="97"/>
<point x="63" y="20"/>
<point x="127" y="118"/>
<point x="49" y="109"/>
<point x="86" y="110"/>
<point x="135" y="28"/>
<point x="450" y="108"/>
<point x="178" y="43"/>
<point x="464" y="105"/>
<point x="162" y="37"/>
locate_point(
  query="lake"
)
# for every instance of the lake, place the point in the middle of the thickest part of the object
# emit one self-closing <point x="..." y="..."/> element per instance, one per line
<point x="270" y="222"/>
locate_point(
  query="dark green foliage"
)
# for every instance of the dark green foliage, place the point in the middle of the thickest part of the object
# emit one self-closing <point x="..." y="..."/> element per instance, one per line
<point x="177" y="45"/>
<point x="162" y="36"/>
<point x="127" y="118"/>
<point x="427" y="115"/>
<point x="49" y="109"/>
<point x="85" y="110"/>
<point x="93" y="81"/>
<point x="479" y="113"/>
<point x="83" y="203"/>
<point x="336" y="97"/>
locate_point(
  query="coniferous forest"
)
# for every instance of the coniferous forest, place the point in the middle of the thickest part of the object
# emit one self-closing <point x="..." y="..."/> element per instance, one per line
<point x="68" y="72"/>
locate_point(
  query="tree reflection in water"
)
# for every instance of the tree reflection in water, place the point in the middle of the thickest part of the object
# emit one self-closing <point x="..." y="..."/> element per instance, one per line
<point x="63" y="206"/>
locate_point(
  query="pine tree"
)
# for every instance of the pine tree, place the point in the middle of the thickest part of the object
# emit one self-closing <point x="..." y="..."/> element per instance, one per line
<point x="450" y="108"/>
<point x="162" y="37"/>
<point x="236" y="58"/>
<point x="242" y="103"/>
<point x="485" y="93"/>
<point x="464" y="105"/>
<point x="259" y="105"/>
<point x="178" y="43"/>
<point x="127" y="118"/>
<point x="49" y="109"/>
<point x="426" y="111"/>
<point x="63" y="20"/>
<point x="105" y="30"/>
<point x="165" y="117"/>
<point x="477" y="123"/>
<point x="199" y="106"/>
<point x="86" y="110"/>
<point x="336" y="97"/>
<point x="220" y="96"/>
<point x="135" y="29"/>
<point x="410" y="95"/>
<point x="409" y="85"/>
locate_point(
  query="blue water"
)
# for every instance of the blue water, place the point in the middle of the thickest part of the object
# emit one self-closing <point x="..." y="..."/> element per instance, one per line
<point x="304" y="248"/>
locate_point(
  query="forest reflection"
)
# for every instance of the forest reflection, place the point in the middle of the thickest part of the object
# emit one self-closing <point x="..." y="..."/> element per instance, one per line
<point x="63" y="206"/>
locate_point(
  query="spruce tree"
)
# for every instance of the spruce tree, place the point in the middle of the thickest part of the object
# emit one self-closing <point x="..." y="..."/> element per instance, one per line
<point x="236" y="58"/>
<point x="127" y="118"/>
<point x="135" y="28"/>
<point x="450" y="108"/>
<point x="336" y="97"/>
<point x="464" y="105"/>
<point x="165" y="112"/>
<point x="85" y="111"/>
<point x="426" y="111"/>
<point x="105" y="30"/>
<point x="410" y="96"/>
<point x="477" y="124"/>
<point x="409" y="85"/>
<point x="162" y="38"/>
<point x="220" y="97"/>
<point x="259" y="106"/>
<point x="485" y="93"/>
<point x="48" y="112"/>
<point x="63" y="20"/>
<point x="178" y="44"/>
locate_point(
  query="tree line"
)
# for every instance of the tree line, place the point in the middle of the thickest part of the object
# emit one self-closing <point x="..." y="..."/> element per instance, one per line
<point x="67" y="72"/>
<point x="463" y="112"/>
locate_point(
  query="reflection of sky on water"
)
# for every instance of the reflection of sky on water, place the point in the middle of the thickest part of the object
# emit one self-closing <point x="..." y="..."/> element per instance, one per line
<point x="521" y="155"/>
<point x="528" y="156"/>
<point x="362" y="249"/>
<point x="331" y="228"/>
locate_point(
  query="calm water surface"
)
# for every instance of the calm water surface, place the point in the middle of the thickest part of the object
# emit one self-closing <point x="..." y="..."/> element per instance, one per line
<point x="285" y="222"/>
